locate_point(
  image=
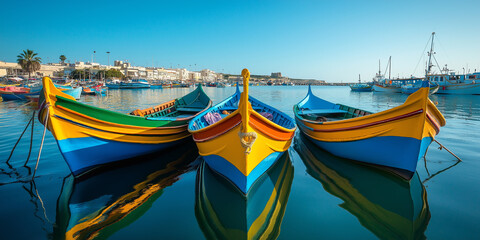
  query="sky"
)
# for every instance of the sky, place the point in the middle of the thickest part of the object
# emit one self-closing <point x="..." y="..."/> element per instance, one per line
<point x="327" y="40"/>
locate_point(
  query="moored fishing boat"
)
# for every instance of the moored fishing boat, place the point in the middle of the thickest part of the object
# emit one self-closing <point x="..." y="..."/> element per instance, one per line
<point x="94" y="90"/>
<point x="389" y="86"/>
<point x="386" y="205"/>
<point x="89" y="136"/>
<point x="241" y="137"/>
<point x="360" y="87"/>
<point x="74" y="92"/>
<point x="413" y="87"/>
<point x="457" y="84"/>
<point x="17" y="93"/>
<point x="396" y="138"/>
<point x="223" y="212"/>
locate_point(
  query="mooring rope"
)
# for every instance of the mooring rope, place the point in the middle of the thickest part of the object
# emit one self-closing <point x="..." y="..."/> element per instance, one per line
<point x="31" y="139"/>
<point x="43" y="138"/>
<point x="21" y="135"/>
<point x="443" y="147"/>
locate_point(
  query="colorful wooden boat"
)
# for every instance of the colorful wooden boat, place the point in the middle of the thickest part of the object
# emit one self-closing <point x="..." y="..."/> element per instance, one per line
<point x="89" y="136"/>
<point x="223" y="212"/>
<point x="97" y="205"/>
<point x="10" y="93"/>
<point x="241" y="137"/>
<point x="386" y="205"/>
<point x="396" y="138"/>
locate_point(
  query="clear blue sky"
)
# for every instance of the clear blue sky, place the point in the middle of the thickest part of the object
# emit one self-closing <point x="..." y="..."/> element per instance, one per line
<point x="329" y="40"/>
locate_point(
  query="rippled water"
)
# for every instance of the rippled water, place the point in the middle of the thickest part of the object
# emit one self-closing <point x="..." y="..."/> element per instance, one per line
<point x="172" y="195"/>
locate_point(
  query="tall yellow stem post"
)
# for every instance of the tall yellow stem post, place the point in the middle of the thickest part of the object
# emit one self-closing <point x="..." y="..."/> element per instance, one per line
<point x="244" y="111"/>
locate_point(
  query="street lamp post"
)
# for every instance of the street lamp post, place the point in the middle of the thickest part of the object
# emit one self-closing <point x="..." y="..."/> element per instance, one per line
<point x="108" y="57"/>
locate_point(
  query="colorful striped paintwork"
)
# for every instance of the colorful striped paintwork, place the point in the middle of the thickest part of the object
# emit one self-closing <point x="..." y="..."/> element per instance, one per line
<point x="395" y="138"/>
<point x="220" y="143"/>
<point x="89" y="136"/>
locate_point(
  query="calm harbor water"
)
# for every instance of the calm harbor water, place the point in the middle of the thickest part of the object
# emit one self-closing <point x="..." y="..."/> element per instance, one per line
<point x="172" y="195"/>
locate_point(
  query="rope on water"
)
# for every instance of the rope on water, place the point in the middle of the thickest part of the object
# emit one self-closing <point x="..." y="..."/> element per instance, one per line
<point x="247" y="139"/>
<point x="443" y="147"/>
<point x="43" y="138"/>
<point x="21" y="135"/>
<point x="31" y="139"/>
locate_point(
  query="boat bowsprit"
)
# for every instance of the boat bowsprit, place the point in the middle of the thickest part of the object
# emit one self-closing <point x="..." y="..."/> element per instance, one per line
<point x="394" y="139"/>
<point x="89" y="136"/>
<point x="241" y="137"/>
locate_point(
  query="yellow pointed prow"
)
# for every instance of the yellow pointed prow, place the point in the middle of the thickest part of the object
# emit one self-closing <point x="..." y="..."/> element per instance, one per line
<point x="51" y="91"/>
<point x="244" y="104"/>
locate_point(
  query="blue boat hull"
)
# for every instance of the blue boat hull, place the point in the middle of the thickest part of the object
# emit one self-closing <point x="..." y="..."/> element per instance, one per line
<point x="361" y="89"/>
<point x="242" y="182"/>
<point x="76" y="92"/>
<point x="461" y="89"/>
<point x="400" y="154"/>
<point x="83" y="154"/>
<point x="11" y="97"/>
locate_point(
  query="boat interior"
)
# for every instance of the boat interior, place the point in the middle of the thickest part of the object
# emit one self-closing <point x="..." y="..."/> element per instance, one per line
<point x="230" y="105"/>
<point x="187" y="106"/>
<point x="315" y="109"/>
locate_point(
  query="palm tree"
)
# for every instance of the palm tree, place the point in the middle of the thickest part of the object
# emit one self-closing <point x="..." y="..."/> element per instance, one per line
<point x="63" y="58"/>
<point x="29" y="62"/>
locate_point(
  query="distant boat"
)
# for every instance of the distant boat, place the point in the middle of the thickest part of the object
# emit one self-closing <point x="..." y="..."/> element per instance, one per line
<point x="10" y="93"/>
<point x="74" y="92"/>
<point x="414" y="86"/>
<point x="130" y="84"/>
<point x="360" y="87"/>
<point x="395" y="139"/>
<point x="223" y="212"/>
<point x="389" y="85"/>
<point x="89" y="137"/>
<point x="451" y="83"/>
<point x="220" y="85"/>
<point x="387" y="206"/>
<point x="468" y="84"/>
<point x="94" y="90"/>
<point x="241" y="137"/>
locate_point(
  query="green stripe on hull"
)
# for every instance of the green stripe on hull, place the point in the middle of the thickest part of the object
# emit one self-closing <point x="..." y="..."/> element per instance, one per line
<point x="111" y="116"/>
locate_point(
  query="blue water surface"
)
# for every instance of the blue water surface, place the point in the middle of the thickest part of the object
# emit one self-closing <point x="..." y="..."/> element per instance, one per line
<point x="155" y="196"/>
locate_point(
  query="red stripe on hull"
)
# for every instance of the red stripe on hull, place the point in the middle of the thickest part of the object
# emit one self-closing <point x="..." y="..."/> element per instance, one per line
<point x="269" y="130"/>
<point x="371" y="124"/>
<point x="216" y="131"/>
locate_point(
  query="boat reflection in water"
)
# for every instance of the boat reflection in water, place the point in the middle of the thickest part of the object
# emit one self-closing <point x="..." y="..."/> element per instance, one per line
<point x="101" y="203"/>
<point x="389" y="207"/>
<point x="223" y="212"/>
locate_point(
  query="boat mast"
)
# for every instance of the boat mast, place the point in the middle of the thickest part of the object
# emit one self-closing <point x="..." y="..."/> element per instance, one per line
<point x="390" y="67"/>
<point x="379" y="72"/>
<point x="429" y="66"/>
<point x="359" y="81"/>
